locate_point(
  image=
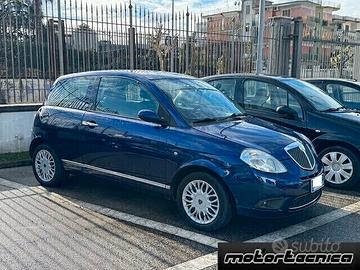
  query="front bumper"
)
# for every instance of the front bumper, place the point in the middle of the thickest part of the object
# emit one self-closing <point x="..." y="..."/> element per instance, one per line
<point x="260" y="194"/>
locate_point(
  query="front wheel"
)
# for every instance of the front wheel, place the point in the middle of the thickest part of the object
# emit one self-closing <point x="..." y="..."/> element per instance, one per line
<point x="341" y="167"/>
<point x="204" y="202"/>
<point x="47" y="166"/>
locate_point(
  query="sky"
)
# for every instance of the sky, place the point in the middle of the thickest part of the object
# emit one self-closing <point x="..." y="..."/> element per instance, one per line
<point x="348" y="7"/>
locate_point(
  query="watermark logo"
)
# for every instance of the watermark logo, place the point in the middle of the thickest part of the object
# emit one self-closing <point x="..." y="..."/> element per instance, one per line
<point x="325" y="245"/>
<point x="285" y="253"/>
<point x="279" y="246"/>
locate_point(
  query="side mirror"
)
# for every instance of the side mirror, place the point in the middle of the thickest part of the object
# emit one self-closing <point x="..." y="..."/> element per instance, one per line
<point x="287" y="112"/>
<point x="152" y="117"/>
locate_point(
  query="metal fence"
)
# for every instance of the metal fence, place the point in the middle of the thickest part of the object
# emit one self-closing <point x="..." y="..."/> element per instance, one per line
<point x="41" y="40"/>
<point x="330" y="53"/>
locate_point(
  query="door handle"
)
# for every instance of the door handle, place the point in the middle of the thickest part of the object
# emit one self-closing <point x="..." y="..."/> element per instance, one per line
<point x="89" y="124"/>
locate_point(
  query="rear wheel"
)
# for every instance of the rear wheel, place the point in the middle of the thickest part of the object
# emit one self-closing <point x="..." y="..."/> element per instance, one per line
<point x="47" y="166"/>
<point x="341" y="167"/>
<point x="204" y="202"/>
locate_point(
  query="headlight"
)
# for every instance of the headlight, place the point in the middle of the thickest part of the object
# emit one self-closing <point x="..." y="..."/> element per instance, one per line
<point x="262" y="161"/>
<point x="302" y="136"/>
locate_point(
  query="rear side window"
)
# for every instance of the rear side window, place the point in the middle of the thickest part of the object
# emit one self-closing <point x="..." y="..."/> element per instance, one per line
<point x="124" y="97"/>
<point x="226" y="86"/>
<point x="74" y="93"/>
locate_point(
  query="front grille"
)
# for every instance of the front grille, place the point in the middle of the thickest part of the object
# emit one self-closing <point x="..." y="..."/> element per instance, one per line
<point x="304" y="200"/>
<point x="302" y="155"/>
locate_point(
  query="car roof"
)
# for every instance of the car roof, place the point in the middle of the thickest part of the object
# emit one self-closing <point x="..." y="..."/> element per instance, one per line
<point x="134" y="74"/>
<point x="329" y="80"/>
<point x="247" y="75"/>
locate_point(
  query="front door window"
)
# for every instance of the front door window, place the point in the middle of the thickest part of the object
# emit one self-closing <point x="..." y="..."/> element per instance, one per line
<point x="267" y="97"/>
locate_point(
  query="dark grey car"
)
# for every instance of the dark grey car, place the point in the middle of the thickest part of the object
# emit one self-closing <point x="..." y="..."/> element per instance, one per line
<point x="347" y="92"/>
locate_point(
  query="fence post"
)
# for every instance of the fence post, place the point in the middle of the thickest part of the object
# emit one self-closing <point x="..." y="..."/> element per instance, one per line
<point x="356" y="57"/>
<point x="280" y="46"/>
<point x="260" y="40"/>
<point x="297" y="46"/>
<point x="187" y="48"/>
<point x="132" y="49"/>
<point x="60" y="36"/>
<point x="172" y="52"/>
<point x="232" y="57"/>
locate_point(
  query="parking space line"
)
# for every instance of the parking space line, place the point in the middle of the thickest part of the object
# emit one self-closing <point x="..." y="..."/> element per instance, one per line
<point x="207" y="260"/>
<point x="309" y="224"/>
<point x="281" y="234"/>
<point x="197" y="263"/>
<point x="11" y="184"/>
<point x="144" y="222"/>
<point x="340" y="195"/>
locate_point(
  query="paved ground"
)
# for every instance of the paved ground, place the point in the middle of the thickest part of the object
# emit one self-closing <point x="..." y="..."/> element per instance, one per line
<point x="92" y="223"/>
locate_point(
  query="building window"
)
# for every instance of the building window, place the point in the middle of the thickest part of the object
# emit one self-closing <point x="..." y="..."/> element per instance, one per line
<point x="247" y="10"/>
<point x="347" y="28"/>
<point x="286" y="12"/>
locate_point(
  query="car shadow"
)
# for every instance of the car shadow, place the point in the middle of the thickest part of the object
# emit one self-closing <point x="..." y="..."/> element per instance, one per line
<point x="140" y="202"/>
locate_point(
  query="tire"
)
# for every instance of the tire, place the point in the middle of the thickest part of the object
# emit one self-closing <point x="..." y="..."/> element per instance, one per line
<point x="45" y="157"/>
<point x="341" y="167"/>
<point x="219" y="214"/>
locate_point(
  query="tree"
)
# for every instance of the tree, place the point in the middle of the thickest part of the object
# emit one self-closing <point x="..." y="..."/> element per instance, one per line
<point x="161" y="47"/>
<point x="342" y="58"/>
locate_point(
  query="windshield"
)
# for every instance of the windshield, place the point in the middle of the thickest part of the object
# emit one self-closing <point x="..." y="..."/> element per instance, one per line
<point x="198" y="101"/>
<point x="320" y="100"/>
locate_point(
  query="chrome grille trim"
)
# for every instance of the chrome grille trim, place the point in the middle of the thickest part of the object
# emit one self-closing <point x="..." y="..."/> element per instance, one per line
<point x="304" y="150"/>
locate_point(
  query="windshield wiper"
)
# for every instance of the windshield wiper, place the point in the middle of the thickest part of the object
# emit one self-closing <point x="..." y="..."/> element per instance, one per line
<point x="215" y="119"/>
<point x="234" y="115"/>
<point x="205" y="120"/>
<point x="334" y="109"/>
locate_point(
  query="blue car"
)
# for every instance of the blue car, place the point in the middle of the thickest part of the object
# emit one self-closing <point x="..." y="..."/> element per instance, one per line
<point x="177" y="135"/>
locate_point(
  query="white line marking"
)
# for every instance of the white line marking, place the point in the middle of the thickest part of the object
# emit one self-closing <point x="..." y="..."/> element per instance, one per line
<point x="283" y="233"/>
<point x="11" y="184"/>
<point x="208" y="259"/>
<point x="144" y="222"/>
<point x="341" y="196"/>
<point x="147" y="223"/>
<point x="197" y="263"/>
<point x="308" y="224"/>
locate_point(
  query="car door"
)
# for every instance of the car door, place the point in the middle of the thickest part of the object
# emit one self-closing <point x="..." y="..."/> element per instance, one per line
<point x="347" y="94"/>
<point x="263" y="99"/>
<point x="115" y="138"/>
<point x="63" y="112"/>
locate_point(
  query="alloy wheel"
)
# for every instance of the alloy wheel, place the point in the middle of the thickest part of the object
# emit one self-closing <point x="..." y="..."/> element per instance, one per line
<point x="200" y="202"/>
<point x="45" y="165"/>
<point x="338" y="167"/>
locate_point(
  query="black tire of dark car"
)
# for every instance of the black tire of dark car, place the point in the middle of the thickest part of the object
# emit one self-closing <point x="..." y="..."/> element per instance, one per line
<point x="355" y="178"/>
<point x="225" y="206"/>
<point x="58" y="174"/>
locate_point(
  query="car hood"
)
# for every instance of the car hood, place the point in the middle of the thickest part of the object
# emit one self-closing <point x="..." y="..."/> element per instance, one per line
<point x="352" y="116"/>
<point x="253" y="133"/>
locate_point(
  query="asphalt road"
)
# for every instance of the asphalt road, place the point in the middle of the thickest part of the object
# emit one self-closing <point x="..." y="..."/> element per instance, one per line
<point x="76" y="226"/>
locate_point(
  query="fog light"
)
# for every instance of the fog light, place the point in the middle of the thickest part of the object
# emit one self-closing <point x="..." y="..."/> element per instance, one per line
<point x="275" y="203"/>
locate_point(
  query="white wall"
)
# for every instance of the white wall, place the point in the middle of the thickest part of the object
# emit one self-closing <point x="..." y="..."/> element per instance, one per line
<point x="15" y="131"/>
